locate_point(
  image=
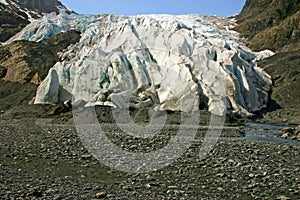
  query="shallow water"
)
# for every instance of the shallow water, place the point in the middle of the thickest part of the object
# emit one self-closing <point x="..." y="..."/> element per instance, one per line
<point x="264" y="132"/>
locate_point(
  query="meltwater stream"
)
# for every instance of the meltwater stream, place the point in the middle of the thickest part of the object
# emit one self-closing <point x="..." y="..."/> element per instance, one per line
<point x="264" y="133"/>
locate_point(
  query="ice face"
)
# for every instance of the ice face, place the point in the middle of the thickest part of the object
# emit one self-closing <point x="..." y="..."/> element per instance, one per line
<point x="180" y="62"/>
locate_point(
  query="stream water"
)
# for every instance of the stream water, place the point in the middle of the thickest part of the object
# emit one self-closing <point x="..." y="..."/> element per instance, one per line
<point x="264" y="132"/>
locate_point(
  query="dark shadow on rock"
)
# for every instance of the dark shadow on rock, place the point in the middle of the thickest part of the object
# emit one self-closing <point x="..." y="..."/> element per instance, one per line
<point x="271" y="107"/>
<point x="3" y="72"/>
<point x="60" y="108"/>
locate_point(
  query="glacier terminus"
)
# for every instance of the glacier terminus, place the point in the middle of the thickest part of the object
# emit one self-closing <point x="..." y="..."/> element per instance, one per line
<point x="168" y="62"/>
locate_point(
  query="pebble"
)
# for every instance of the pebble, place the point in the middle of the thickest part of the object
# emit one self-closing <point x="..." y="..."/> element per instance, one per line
<point x="86" y="156"/>
<point x="57" y="197"/>
<point x="251" y="175"/>
<point x="172" y="187"/>
<point x="100" y="195"/>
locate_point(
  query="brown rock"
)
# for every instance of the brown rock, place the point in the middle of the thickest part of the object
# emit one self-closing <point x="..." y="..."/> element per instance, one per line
<point x="270" y="24"/>
<point x="27" y="61"/>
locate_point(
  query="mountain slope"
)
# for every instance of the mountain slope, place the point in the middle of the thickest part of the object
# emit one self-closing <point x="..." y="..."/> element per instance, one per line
<point x="16" y="14"/>
<point x="284" y="68"/>
<point x="24" y="61"/>
<point x="29" y="61"/>
<point x="275" y="24"/>
<point x="271" y="24"/>
<point x="42" y="6"/>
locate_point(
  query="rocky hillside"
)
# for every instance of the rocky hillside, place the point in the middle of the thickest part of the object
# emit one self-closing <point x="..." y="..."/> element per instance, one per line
<point x="275" y="24"/>
<point x="42" y="6"/>
<point x="16" y="14"/>
<point x="285" y="104"/>
<point x="271" y="24"/>
<point x="32" y="60"/>
<point x="24" y="64"/>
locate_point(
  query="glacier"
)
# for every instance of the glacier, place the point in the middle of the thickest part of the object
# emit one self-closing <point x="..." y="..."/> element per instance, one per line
<point x="181" y="63"/>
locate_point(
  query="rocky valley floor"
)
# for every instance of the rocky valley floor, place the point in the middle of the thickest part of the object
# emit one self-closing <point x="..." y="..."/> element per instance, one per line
<point x="48" y="161"/>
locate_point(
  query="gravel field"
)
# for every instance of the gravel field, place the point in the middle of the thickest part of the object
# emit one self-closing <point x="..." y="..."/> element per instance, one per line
<point x="50" y="162"/>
